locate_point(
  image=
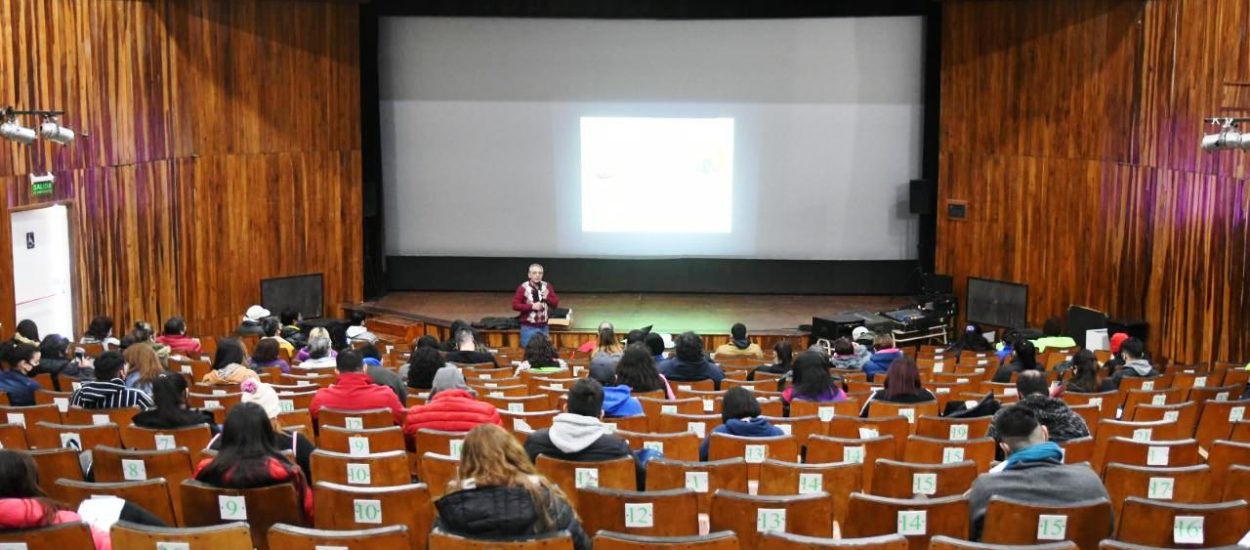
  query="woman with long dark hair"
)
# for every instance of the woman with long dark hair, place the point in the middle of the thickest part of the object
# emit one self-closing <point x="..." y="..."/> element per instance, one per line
<point x="423" y="364"/>
<point x="1083" y="376"/>
<point x="811" y="380"/>
<point x="17" y="360"/>
<point x="268" y="354"/>
<point x="902" y="385"/>
<point x="541" y="356"/>
<point x="169" y="392"/>
<point x="248" y="457"/>
<point x="1023" y="357"/>
<point x="54" y="359"/>
<point x="229" y="364"/>
<point x="497" y="493"/>
<point x="100" y="331"/>
<point x="784" y="351"/>
<point x="636" y="369"/>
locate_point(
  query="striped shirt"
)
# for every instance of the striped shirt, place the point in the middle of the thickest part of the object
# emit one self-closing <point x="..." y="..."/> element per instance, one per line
<point x="112" y="394"/>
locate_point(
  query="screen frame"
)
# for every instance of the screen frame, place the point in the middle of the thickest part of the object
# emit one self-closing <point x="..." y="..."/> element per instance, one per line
<point x="321" y="280"/>
<point x="968" y="298"/>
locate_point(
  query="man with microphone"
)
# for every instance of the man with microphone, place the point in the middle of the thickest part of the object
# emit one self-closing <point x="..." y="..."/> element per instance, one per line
<point x="534" y="299"/>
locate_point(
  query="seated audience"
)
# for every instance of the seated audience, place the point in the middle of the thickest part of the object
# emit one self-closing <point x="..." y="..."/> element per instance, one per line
<point x="423" y="365"/>
<point x="17" y="360"/>
<point x="1034" y="471"/>
<point x="264" y="396"/>
<point x="54" y="359"/>
<point x="655" y="343"/>
<point x="290" y="319"/>
<point x="268" y="353"/>
<point x="578" y="434"/>
<point x="540" y="356"/>
<point x="272" y="328"/>
<point x="1061" y="423"/>
<point x="498" y="494"/>
<point x="849" y="355"/>
<point x="145" y="367"/>
<point x="143" y="333"/>
<point x="169" y="394"/>
<point x="1008" y="344"/>
<point x="740" y="413"/>
<point x="451" y="407"/>
<point x="739" y="345"/>
<point x="357" y="332"/>
<point x="902" y="385"/>
<point x="689" y="363"/>
<point x="228" y="364"/>
<point x="1053" y="337"/>
<point x="1023" y="358"/>
<point x="100" y="331"/>
<point x="1082" y="377"/>
<point x="382" y="376"/>
<point x="318" y="354"/>
<point x="175" y="336"/>
<point x="250" y="325"/>
<point x="607" y="350"/>
<point x="811" y="380"/>
<point x="784" y="351"/>
<point x="469" y="351"/>
<point x="247" y="457"/>
<point x="636" y="369"/>
<point x="618" y="401"/>
<point x="1135" y="364"/>
<point x="109" y="390"/>
<point x="1117" y="358"/>
<point x="27" y="333"/>
<point x="972" y="340"/>
<point x="884" y="354"/>
<point x="355" y="391"/>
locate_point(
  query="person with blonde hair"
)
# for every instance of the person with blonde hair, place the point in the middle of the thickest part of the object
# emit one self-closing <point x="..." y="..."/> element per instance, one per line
<point x="319" y="353"/>
<point x="145" y="367"/>
<point x="498" y="494"/>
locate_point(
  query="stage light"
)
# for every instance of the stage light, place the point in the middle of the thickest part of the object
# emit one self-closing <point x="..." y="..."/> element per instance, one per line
<point x="51" y="130"/>
<point x="1229" y="137"/>
<point x="11" y="130"/>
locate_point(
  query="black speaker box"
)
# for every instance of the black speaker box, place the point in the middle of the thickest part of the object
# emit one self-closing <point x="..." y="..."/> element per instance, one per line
<point x="922" y="197"/>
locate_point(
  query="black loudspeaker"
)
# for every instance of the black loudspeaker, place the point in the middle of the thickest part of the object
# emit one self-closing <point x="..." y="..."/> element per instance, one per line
<point x="922" y="197"/>
<point x="1081" y="319"/>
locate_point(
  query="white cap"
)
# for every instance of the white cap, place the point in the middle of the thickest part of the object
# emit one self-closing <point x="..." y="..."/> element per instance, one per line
<point x="858" y="332"/>
<point x="256" y="313"/>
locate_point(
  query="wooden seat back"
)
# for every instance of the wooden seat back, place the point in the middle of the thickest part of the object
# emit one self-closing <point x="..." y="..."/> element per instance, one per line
<point x="152" y="495"/>
<point x="78" y="415"/>
<point x="699" y="424"/>
<point x="675" y="446"/>
<point x="437" y="470"/>
<point x="355" y="420"/>
<point x="1014" y="522"/>
<point x="119" y="465"/>
<point x="911" y="411"/>
<point x="942" y="542"/>
<point x="1123" y="450"/>
<point x="755" y="450"/>
<point x="45" y="435"/>
<point x="1146" y="431"/>
<point x="1216" y="420"/>
<point x="1108" y="402"/>
<point x="290" y="537"/>
<point x="704" y="478"/>
<point x="62" y="535"/>
<point x="928" y="450"/>
<point x="1189" y="484"/>
<point x="229" y="536"/>
<point x="1224" y="454"/>
<point x="570" y="476"/>
<point x="820" y="449"/>
<point x="527" y="421"/>
<point x="367" y="470"/>
<point x="341" y="507"/>
<point x="837" y="479"/>
<point x="670" y="513"/>
<point x="556" y="541"/>
<point x="854" y="427"/>
<point x="13" y="437"/>
<point x="30" y="415"/>
<point x="775" y="540"/>
<point x="749" y="515"/>
<point x="1184" y="414"/>
<point x="194" y="438"/>
<point x="922" y="518"/>
<point x="54" y="464"/>
<point x="370" y="440"/>
<point x="1155" y="523"/>
<point x="636" y="424"/>
<point x="439" y="441"/>
<point x="262" y="507"/>
<point x="941" y="427"/>
<point x="524" y="403"/>
<point x="801" y="427"/>
<point x="720" y="540"/>
<point x="896" y="479"/>
<point x="1157" y="396"/>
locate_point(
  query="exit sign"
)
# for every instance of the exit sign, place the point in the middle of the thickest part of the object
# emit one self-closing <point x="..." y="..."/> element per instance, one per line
<point x="41" y="185"/>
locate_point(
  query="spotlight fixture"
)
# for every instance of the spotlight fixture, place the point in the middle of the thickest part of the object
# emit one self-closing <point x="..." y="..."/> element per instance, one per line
<point x="1229" y="136"/>
<point x="50" y="130"/>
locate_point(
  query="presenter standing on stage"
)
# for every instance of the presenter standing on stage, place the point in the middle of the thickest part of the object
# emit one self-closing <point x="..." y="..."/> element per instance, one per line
<point x="534" y="299"/>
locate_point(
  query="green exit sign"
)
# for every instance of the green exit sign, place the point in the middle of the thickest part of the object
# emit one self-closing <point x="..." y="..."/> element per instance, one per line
<point x="41" y="185"/>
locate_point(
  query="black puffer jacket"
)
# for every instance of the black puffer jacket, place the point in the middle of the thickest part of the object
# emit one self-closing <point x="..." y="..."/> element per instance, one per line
<point x="504" y="513"/>
<point x="1064" y="425"/>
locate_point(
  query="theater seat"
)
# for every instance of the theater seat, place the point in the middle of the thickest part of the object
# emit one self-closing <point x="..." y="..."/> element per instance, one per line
<point x="204" y="505"/>
<point x="229" y="536"/>
<point x="291" y="537"/>
<point x="670" y="513"/>
<point x="948" y="543"/>
<point x="1165" y="524"/>
<point x="749" y="515"/>
<point x="1013" y="522"/>
<point x="916" y="519"/>
<point x="704" y="478"/>
<point x="444" y="541"/>
<point x="788" y="541"/>
<point x="720" y="540"/>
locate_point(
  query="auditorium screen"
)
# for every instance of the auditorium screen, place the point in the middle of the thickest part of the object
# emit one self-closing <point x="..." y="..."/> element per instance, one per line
<point x="771" y="139"/>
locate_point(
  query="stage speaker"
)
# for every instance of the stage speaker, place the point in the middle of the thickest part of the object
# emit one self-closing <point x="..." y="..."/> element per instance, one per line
<point x="1135" y="327"/>
<point x="922" y="197"/>
<point x="1081" y="319"/>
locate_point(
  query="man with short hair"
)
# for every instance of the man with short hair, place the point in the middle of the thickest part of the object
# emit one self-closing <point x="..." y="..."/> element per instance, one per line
<point x="1061" y="423"/>
<point x="739" y="345"/>
<point x="109" y="390"/>
<point x="466" y="351"/>
<point x="1135" y="363"/>
<point x="250" y="326"/>
<point x="689" y="363"/>
<point x="355" y="391"/>
<point x="1034" y="471"/>
<point x="534" y="299"/>
<point x="175" y="336"/>
<point x="272" y="328"/>
<point x="578" y="434"/>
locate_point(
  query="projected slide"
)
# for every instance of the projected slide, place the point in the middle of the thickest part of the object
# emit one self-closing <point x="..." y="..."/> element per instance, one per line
<point x="657" y="175"/>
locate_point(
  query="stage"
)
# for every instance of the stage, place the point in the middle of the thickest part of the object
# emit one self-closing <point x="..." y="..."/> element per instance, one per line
<point x="710" y="314"/>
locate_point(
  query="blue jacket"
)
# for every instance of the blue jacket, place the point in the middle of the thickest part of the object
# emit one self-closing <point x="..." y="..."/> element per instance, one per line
<point x="880" y="361"/>
<point x="746" y="427"/>
<point x="618" y="403"/>
<point x="677" y="370"/>
<point x="21" y="388"/>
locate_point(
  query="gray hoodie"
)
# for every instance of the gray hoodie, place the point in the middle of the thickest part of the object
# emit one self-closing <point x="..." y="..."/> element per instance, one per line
<point x="577" y="438"/>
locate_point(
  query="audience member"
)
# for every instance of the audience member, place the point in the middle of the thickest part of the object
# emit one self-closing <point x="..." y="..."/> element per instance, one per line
<point x="268" y="353"/>
<point x="848" y="355"/>
<point x="578" y="434"/>
<point x="739" y="345"/>
<point x="229" y="364"/>
<point x="382" y="376"/>
<point x="1023" y="358"/>
<point x="637" y="370"/>
<point x="811" y="380"/>
<point x="541" y="356"/>
<point x="655" y="342"/>
<point x="423" y="365"/>
<point x="606" y="354"/>
<point x="1034" y="471"/>
<point x="1117" y="359"/>
<point x="291" y="332"/>
<point x="1053" y="336"/>
<point x="248" y="458"/>
<point x="357" y="332"/>
<point x="250" y="325"/>
<point x="884" y="355"/>
<point x="319" y="352"/>
<point x="175" y="336"/>
<point x="100" y="331"/>
<point x="27" y="333"/>
<point x="1135" y="364"/>
<point x="972" y="340"/>
<point x="271" y="327"/>
<point x="689" y="364"/>
<point x="618" y="401"/>
<point x="17" y="361"/>
<point x="169" y="394"/>
<point x="498" y="494"/>
<point x="145" y="367"/>
<point x="264" y="396"/>
<point x="468" y="351"/>
<point x="54" y="360"/>
<point x="143" y="333"/>
<point x="451" y="407"/>
<point x="1083" y="375"/>
<point x="109" y="390"/>
<point x="784" y="351"/>
<point x="1008" y="344"/>
<point x="740" y="414"/>
<point x="533" y="301"/>
<point x="1061" y="423"/>
<point x="902" y="385"/>
<point x="355" y="391"/>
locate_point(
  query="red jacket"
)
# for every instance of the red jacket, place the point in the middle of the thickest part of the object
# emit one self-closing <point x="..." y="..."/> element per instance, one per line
<point x="28" y="513"/>
<point x="279" y="472"/>
<point x="180" y="343"/>
<point x="523" y="301"/>
<point x="355" y="391"/>
<point x="451" y="411"/>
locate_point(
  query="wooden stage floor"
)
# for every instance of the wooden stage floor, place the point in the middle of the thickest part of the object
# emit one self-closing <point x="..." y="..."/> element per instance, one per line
<point x="703" y="313"/>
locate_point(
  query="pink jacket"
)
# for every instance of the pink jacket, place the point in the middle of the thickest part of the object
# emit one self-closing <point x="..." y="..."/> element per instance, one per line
<point x="28" y="513"/>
